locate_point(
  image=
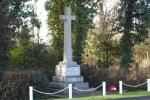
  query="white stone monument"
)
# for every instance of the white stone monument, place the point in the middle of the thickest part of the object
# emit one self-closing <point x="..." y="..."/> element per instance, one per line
<point x="68" y="71"/>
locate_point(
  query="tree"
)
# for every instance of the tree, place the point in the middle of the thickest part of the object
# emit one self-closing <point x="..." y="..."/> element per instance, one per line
<point x="134" y="23"/>
<point x="100" y="44"/>
<point x="5" y="33"/>
<point x="16" y="17"/>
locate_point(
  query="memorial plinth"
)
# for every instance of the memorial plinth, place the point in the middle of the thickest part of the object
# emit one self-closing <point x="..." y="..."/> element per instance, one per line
<point x="66" y="73"/>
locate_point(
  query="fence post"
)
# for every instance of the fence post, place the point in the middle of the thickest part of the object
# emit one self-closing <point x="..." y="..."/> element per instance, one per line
<point x="70" y="91"/>
<point x="104" y="88"/>
<point x="120" y="87"/>
<point x="148" y="85"/>
<point x="30" y="92"/>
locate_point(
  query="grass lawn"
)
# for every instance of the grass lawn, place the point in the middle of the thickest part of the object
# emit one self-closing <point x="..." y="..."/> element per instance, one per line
<point x="113" y="96"/>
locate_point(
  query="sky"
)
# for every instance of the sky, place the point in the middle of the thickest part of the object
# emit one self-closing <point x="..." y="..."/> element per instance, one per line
<point x="42" y="15"/>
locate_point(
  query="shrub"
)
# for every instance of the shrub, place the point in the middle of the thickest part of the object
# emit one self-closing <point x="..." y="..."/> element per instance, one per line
<point x="17" y="86"/>
<point x="112" y="75"/>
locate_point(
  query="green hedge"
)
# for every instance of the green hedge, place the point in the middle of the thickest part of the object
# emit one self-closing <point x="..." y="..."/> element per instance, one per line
<point x="17" y="88"/>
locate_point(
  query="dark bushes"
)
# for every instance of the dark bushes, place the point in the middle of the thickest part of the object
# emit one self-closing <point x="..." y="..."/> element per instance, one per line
<point x="112" y="75"/>
<point x="16" y="86"/>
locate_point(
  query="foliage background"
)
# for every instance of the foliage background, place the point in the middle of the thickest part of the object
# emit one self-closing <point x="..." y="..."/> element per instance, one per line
<point x="102" y="54"/>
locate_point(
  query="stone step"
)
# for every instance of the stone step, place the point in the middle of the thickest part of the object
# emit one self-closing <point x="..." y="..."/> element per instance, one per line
<point x="70" y="79"/>
<point x="59" y="86"/>
<point x="82" y="85"/>
<point x="66" y="92"/>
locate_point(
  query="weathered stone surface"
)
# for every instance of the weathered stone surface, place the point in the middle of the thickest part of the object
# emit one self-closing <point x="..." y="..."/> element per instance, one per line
<point x="68" y="71"/>
<point x="67" y="54"/>
<point x="81" y="85"/>
<point x="70" y="79"/>
<point x="57" y="86"/>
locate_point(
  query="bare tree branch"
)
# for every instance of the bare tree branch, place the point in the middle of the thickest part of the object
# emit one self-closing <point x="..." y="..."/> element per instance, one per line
<point x="94" y="4"/>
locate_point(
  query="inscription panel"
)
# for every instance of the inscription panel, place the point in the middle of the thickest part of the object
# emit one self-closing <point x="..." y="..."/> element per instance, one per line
<point x="67" y="71"/>
<point x="73" y="71"/>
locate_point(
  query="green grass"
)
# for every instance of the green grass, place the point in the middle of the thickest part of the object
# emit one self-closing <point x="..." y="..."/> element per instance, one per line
<point x="113" y="96"/>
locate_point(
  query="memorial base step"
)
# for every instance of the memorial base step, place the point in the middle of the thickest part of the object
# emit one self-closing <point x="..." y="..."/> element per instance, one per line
<point x="54" y="86"/>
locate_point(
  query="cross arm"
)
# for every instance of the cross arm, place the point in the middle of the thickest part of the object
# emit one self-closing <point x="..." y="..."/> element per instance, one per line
<point x="64" y="17"/>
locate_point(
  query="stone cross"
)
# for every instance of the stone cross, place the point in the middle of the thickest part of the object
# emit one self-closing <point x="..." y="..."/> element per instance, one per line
<point x="68" y="17"/>
<point x="68" y="71"/>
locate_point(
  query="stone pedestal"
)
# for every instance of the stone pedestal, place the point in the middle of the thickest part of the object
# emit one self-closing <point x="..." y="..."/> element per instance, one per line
<point x="71" y="69"/>
<point x="66" y="74"/>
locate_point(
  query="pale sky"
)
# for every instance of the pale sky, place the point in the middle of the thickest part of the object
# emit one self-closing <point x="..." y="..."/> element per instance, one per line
<point x="109" y="5"/>
<point x="42" y="15"/>
<point x="43" y="18"/>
